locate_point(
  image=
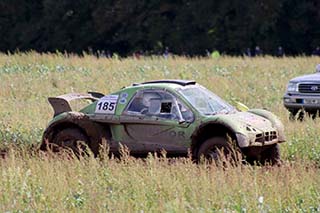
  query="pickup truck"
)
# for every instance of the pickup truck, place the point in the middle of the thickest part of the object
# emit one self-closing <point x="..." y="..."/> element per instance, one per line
<point x="303" y="95"/>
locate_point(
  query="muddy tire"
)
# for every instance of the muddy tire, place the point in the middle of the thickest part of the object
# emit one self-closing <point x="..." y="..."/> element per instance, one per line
<point x="71" y="139"/>
<point x="271" y="156"/>
<point x="217" y="150"/>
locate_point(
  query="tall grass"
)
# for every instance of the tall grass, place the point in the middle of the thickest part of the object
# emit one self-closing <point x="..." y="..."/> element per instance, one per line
<point x="31" y="182"/>
<point x="28" y="79"/>
<point x="153" y="185"/>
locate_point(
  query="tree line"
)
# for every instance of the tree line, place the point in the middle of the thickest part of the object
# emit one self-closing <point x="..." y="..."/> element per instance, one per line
<point x="184" y="26"/>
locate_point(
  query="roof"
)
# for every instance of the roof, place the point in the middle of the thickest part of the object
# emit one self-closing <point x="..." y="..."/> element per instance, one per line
<point x="169" y="81"/>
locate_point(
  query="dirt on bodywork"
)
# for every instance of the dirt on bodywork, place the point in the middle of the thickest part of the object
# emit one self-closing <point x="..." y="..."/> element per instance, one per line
<point x="95" y="132"/>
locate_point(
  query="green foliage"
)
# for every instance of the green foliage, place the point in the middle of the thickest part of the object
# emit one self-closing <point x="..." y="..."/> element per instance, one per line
<point x="186" y="27"/>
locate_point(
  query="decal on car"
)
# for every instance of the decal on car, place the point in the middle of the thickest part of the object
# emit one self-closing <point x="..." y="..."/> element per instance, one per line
<point x="179" y="134"/>
<point x="107" y="104"/>
<point x="123" y="98"/>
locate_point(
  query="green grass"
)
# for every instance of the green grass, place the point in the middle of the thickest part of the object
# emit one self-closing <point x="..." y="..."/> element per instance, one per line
<point x="38" y="183"/>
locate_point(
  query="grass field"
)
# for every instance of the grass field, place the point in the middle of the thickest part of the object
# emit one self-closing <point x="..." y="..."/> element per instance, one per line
<point x="37" y="183"/>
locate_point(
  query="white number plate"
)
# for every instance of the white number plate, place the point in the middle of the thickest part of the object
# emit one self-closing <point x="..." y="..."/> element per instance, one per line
<point x="311" y="101"/>
<point x="107" y="104"/>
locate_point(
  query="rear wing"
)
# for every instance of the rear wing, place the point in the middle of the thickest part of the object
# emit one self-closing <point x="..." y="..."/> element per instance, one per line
<point x="61" y="103"/>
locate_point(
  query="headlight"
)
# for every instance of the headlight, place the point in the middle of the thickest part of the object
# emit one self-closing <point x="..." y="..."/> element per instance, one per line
<point x="292" y="87"/>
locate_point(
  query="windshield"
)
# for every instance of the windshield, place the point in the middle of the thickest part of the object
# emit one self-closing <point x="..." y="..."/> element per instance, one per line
<point x="205" y="101"/>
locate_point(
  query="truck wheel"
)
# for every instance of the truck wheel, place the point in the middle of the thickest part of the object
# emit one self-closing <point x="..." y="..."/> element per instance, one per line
<point x="71" y="139"/>
<point x="217" y="150"/>
<point x="296" y="115"/>
<point x="271" y="155"/>
<point x="292" y="115"/>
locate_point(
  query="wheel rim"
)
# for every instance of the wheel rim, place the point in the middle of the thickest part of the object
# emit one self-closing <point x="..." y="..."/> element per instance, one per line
<point x="72" y="144"/>
<point x="216" y="154"/>
<point x="213" y="155"/>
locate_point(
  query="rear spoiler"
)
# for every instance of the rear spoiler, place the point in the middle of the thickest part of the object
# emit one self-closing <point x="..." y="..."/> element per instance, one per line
<point x="61" y="103"/>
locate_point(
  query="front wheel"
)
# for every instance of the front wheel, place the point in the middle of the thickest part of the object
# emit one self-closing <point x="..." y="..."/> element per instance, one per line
<point x="219" y="151"/>
<point x="71" y="139"/>
<point x="271" y="155"/>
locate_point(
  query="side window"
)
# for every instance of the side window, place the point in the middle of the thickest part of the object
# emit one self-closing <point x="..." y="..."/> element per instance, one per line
<point x="137" y="106"/>
<point x="160" y="104"/>
<point x="186" y="113"/>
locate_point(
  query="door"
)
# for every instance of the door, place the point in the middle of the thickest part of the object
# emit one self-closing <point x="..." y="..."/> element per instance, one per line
<point x="156" y="120"/>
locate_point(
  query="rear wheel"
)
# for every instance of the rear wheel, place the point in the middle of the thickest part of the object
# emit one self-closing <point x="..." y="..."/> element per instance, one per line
<point x="71" y="139"/>
<point x="218" y="150"/>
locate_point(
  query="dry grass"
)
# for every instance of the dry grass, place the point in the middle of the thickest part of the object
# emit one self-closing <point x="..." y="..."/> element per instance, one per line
<point x="151" y="185"/>
<point x="37" y="183"/>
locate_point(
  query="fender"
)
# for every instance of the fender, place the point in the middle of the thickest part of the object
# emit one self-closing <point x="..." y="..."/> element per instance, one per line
<point x="96" y="133"/>
<point x="200" y="134"/>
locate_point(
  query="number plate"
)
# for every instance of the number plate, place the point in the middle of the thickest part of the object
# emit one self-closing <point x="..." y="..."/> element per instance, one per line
<point x="107" y="104"/>
<point x="311" y="101"/>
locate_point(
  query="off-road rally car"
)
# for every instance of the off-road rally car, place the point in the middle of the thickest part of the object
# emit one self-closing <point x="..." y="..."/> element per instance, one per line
<point x="303" y="95"/>
<point x="178" y="116"/>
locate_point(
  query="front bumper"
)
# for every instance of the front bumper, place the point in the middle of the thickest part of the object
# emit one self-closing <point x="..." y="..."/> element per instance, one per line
<point x="297" y="101"/>
<point x="253" y="140"/>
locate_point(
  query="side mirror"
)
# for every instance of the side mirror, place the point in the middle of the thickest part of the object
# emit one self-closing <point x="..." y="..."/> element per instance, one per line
<point x="181" y="121"/>
<point x="241" y="107"/>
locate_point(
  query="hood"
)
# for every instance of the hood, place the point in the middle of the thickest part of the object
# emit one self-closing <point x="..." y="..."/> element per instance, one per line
<point x="251" y="122"/>
<point x="244" y="122"/>
<point x="310" y="77"/>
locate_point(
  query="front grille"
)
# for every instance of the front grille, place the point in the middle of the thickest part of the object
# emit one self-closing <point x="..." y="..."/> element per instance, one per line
<point x="309" y="88"/>
<point x="266" y="136"/>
